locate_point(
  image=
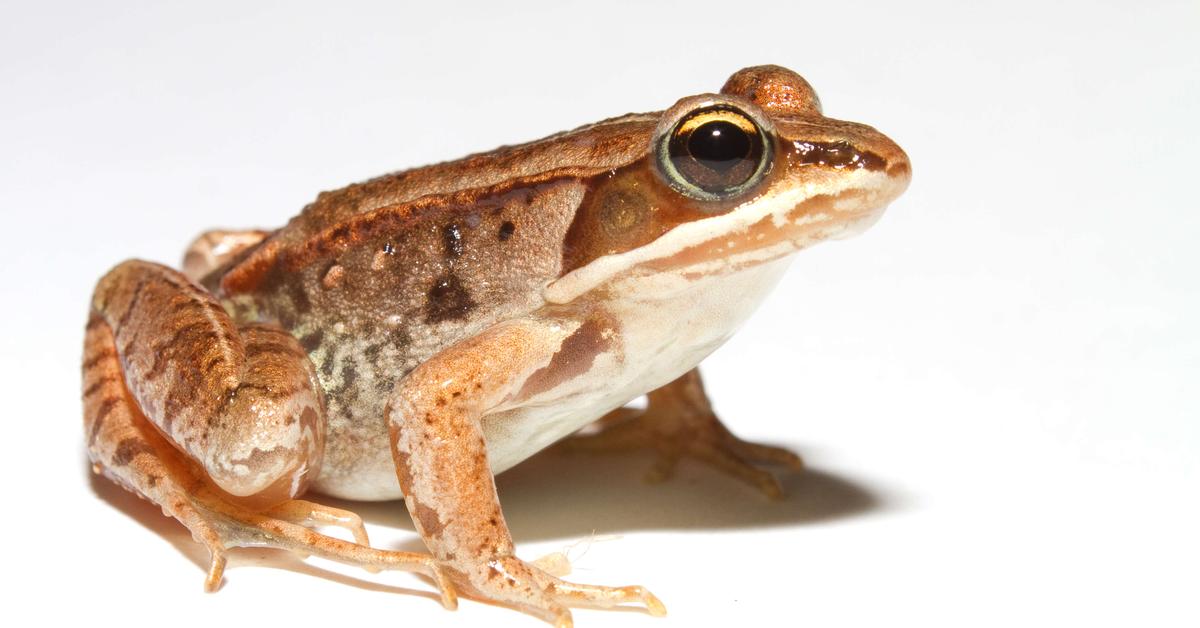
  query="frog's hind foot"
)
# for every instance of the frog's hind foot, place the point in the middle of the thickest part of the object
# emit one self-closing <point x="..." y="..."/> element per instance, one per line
<point x="509" y="580"/>
<point x="679" y="422"/>
<point x="310" y="514"/>
<point x="126" y="448"/>
<point x="221" y="524"/>
<point x="286" y="526"/>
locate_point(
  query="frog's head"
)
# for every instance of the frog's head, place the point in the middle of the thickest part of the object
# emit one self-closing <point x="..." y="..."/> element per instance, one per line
<point x="728" y="181"/>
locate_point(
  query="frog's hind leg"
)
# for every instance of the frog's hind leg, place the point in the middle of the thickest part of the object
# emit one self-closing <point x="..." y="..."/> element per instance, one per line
<point x="127" y="449"/>
<point x="679" y="422"/>
<point x="217" y="248"/>
<point x="220" y="427"/>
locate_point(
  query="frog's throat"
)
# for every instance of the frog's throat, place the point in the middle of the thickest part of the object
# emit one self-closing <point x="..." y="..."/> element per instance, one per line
<point x="763" y="229"/>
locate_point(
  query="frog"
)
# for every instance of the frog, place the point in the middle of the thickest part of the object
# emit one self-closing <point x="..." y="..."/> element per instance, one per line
<point x="410" y="336"/>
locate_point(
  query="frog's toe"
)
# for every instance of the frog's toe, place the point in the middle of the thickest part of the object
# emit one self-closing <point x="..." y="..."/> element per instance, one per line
<point x="718" y="447"/>
<point x="526" y="587"/>
<point x="726" y="458"/>
<point x="312" y="514"/>
<point x="765" y="454"/>
<point x="221" y="524"/>
<point x="597" y="596"/>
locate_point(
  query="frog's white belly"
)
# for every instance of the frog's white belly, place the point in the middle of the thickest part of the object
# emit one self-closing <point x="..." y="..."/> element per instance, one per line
<point x="661" y="337"/>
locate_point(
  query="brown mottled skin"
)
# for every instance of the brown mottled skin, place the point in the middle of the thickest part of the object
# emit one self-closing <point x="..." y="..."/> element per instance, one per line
<point x="416" y="333"/>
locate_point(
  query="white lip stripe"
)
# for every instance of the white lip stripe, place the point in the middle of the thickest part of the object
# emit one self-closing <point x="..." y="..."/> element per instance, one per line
<point x="776" y="205"/>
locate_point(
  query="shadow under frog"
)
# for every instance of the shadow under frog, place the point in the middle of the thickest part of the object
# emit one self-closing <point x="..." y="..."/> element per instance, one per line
<point x="574" y="495"/>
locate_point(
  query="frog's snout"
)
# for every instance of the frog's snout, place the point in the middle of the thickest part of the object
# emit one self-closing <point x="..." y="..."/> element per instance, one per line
<point x="850" y="171"/>
<point x="878" y="192"/>
<point x="896" y="164"/>
<point x="877" y="152"/>
<point x="864" y="148"/>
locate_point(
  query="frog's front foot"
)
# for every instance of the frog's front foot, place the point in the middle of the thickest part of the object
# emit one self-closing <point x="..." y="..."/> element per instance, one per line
<point x="511" y="581"/>
<point x="678" y="422"/>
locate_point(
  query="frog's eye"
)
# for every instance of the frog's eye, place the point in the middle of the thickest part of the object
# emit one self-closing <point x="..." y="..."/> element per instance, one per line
<point x="714" y="153"/>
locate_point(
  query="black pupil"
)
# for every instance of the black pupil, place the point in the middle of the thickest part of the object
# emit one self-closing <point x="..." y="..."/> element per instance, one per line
<point x="719" y="145"/>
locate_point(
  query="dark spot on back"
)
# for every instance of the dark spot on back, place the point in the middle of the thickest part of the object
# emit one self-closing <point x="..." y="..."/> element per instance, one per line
<point x="452" y="240"/>
<point x="399" y="338"/>
<point x="448" y="300"/>
<point x="310" y="342"/>
<point x="349" y="375"/>
<point x="326" y="367"/>
<point x="506" y="230"/>
<point x="299" y="297"/>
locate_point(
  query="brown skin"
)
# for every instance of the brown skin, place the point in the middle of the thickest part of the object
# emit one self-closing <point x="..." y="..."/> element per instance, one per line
<point x="358" y="349"/>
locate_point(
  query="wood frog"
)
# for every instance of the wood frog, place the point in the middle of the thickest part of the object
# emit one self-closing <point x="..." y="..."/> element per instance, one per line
<point x="412" y="335"/>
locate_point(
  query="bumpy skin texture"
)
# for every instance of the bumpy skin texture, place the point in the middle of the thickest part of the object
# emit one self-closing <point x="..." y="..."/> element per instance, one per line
<point x="414" y="334"/>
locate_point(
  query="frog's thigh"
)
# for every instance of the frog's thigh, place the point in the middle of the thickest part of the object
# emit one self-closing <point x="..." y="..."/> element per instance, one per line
<point x="442" y="465"/>
<point x="241" y="402"/>
<point x="169" y="383"/>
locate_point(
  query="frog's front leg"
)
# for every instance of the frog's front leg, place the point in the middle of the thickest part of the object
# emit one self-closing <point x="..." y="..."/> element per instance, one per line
<point x="679" y="422"/>
<point x="442" y="464"/>
<point x="220" y="426"/>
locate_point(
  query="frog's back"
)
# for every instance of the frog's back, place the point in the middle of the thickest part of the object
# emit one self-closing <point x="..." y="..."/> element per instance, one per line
<point x="579" y="153"/>
<point x="439" y="244"/>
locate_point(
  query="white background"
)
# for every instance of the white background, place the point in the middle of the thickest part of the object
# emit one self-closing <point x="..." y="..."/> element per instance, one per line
<point x="995" y="387"/>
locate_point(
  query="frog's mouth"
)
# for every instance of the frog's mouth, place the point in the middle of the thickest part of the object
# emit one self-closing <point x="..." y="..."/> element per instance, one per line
<point x="764" y="229"/>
